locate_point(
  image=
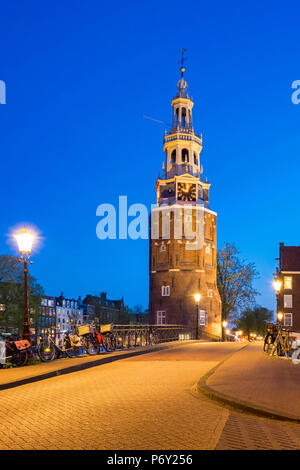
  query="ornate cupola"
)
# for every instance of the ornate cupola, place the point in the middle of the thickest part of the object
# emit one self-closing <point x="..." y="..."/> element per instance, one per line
<point x="182" y="145"/>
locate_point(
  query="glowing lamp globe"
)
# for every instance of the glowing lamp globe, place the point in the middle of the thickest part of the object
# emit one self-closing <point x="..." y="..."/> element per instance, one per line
<point x="277" y="285"/>
<point x="280" y="316"/>
<point x="24" y="240"/>
<point x="197" y="297"/>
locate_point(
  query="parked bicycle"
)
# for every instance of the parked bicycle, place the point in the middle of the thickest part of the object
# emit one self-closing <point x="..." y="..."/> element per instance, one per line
<point x="16" y="351"/>
<point x="93" y="340"/>
<point x="48" y="349"/>
<point x="270" y="336"/>
<point x="281" y="346"/>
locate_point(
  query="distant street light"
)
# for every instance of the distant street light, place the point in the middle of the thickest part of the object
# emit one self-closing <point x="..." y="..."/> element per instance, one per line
<point x="197" y="298"/>
<point x="224" y="324"/>
<point x="25" y="241"/>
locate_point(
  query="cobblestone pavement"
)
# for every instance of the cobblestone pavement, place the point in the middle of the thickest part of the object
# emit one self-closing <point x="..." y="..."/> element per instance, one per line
<point x="144" y="402"/>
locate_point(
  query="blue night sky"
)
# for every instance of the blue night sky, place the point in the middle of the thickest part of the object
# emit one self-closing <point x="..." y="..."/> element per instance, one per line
<point x="79" y="76"/>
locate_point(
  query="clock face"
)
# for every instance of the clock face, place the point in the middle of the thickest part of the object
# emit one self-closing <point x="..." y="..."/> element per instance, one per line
<point x="186" y="192"/>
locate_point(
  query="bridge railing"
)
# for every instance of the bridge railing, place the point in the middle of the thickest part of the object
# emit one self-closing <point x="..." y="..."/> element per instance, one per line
<point x="143" y="335"/>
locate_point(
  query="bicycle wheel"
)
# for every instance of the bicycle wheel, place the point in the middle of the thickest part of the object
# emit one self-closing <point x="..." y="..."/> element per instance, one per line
<point x="113" y="342"/>
<point x="72" y="351"/>
<point x="46" y="351"/>
<point x="88" y="345"/>
<point x="19" y="358"/>
<point x="109" y="343"/>
<point x="268" y="345"/>
<point x="92" y="347"/>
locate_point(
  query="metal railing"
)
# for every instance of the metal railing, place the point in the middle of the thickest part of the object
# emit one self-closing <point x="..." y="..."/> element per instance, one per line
<point x="143" y="335"/>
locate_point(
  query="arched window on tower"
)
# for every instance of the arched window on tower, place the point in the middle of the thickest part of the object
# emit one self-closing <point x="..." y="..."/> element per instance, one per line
<point x="183" y="117"/>
<point x="173" y="157"/>
<point x="195" y="159"/>
<point x="177" y="117"/>
<point x="185" y="155"/>
<point x="190" y="118"/>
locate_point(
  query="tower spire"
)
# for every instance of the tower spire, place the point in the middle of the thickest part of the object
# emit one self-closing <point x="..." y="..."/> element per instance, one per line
<point x="182" y="85"/>
<point x="181" y="61"/>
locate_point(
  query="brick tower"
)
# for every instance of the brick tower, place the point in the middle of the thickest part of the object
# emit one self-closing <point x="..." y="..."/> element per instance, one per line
<point x="183" y="247"/>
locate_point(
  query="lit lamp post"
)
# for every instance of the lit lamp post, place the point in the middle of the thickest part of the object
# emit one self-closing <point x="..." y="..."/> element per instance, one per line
<point x="277" y="286"/>
<point x="25" y="240"/>
<point x="279" y="316"/>
<point x="224" y="324"/>
<point x="197" y="298"/>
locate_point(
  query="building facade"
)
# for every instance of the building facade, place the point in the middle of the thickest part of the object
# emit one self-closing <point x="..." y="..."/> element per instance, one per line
<point x="46" y="321"/>
<point x="183" y="232"/>
<point x="106" y="310"/>
<point x="288" y="300"/>
<point x="68" y="313"/>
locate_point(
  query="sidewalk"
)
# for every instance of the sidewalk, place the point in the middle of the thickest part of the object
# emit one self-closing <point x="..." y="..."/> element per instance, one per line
<point x="14" y="377"/>
<point x="252" y="381"/>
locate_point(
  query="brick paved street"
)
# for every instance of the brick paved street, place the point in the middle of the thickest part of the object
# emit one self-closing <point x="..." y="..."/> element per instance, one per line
<point x="143" y="402"/>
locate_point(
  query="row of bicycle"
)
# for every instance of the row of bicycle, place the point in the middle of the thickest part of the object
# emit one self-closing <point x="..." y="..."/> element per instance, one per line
<point x="282" y="341"/>
<point x="85" y="339"/>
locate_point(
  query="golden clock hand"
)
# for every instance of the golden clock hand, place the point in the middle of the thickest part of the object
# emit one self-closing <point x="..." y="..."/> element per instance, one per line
<point x="187" y="189"/>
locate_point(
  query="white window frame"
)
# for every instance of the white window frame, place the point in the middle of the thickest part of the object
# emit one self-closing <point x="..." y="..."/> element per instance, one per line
<point x="165" y="291"/>
<point x="209" y="293"/>
<point x="161" y="317"/>
<point x="288" y="301"/>
<point x="202" y="318"/>
<point x="289" y="323"/>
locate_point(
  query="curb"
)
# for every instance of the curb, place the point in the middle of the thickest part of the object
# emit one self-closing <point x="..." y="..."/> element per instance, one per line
<point x="236" y="404"/>
<point x="86" y="365"/>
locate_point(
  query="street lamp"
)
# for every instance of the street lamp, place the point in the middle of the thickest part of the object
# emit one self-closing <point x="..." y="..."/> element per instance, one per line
<point x="197" y="298"/>
<point x="25" y="240"/>
<point x="224" y="324"/>
<point x="280" y="316"/>
<point x="277" y="284"/>
<point x="277" y="287"/>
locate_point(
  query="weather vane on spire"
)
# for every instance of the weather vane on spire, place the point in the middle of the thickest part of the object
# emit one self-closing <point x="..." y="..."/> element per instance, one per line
<point x="181" y="61"/>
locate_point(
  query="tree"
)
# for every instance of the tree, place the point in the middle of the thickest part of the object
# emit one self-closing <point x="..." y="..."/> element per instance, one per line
<point x="234" y="278"/>
<point x="138" y="309"/>
<point x="12" y="293"/>
<point x="254" y="320"/>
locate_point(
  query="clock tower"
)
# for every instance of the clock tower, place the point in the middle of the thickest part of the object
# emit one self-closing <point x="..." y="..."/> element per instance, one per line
<point x="183" y="245"/>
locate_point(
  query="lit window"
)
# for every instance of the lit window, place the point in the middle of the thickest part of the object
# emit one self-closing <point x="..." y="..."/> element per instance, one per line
<point x="288" y="319"/>
<point x="288" y="301"/>
<point x="165" y="291"/>
<point x="161" y="318"/>
<point x="288" y="282"/>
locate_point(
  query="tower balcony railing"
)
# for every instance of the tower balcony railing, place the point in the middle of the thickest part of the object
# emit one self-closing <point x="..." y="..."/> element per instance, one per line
<point x="181" y="169"/>
<point x="182" y="133"/>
